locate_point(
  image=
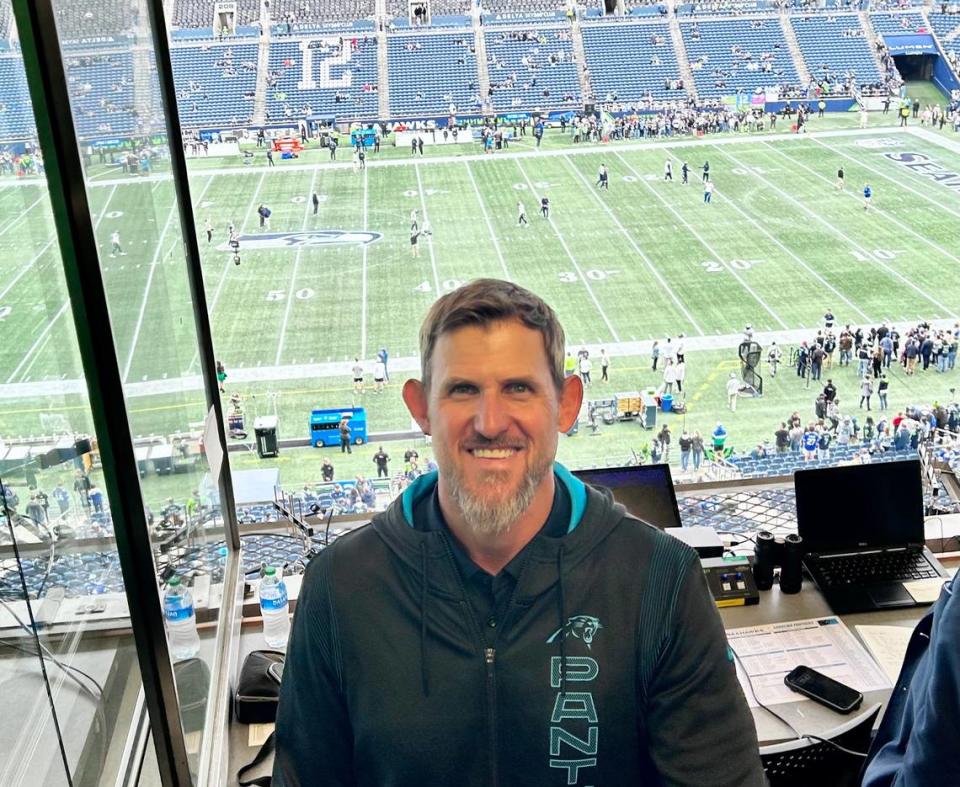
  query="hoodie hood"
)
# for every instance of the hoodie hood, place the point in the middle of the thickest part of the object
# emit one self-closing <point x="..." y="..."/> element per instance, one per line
<point x="395" y="527"/>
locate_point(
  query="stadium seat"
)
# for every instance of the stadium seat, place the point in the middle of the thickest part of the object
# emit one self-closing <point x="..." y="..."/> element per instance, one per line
<point x="834" y="47"/>
<point x="738" y="55"/>
<point x="215" y="83"/>
<point x="448" y="59"/>
<point x="631" y="61"/>
<point x="532" y="68"/>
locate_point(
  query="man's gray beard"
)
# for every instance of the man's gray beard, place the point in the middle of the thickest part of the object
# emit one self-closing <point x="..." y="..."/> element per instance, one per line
<point x="494" y="517"/>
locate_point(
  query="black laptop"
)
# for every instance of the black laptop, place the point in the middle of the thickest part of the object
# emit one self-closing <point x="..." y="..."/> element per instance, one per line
<point x="862" y="530"/>
<point x="646" y="491"/>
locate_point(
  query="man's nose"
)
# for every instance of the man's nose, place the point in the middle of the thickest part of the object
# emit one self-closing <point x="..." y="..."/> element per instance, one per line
<point x="492" y="417"/>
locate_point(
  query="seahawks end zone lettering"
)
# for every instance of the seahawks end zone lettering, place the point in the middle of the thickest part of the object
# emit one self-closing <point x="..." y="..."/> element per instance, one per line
<point x="925" y="165"/>
<point x="302" y="240"/>
<point x="324" y="79"/>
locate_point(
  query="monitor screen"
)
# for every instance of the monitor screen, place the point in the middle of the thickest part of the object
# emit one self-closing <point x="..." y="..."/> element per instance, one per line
<point x="646" y="491"/>
<point x="860" y="506"/>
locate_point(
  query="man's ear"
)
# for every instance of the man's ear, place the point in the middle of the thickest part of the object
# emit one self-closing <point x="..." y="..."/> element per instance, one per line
<point x="571" y="397"/>
<point x="415" y="398"/>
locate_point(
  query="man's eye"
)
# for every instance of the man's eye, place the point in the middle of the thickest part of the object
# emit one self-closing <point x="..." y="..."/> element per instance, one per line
<point x="518" y="388"/>
<point x="462" y="388"/>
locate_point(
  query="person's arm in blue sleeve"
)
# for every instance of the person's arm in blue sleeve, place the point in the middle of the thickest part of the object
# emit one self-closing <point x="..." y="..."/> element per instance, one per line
<point x="314" y="742"/>
<point x="700" y="729"/>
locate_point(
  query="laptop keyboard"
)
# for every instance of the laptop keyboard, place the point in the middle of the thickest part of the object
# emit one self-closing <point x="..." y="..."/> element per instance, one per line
<point x="874" y="568"/>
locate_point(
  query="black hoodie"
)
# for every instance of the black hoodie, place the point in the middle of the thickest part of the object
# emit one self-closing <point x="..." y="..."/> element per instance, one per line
<point x="609" y="668"/>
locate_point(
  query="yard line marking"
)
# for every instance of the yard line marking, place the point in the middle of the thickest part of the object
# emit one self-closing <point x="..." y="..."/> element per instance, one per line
<point x="707" y="246"/>
<point x="841" y="234"/>
<point x="293" y="278"/>
<point x="790" y="252"/>
<point x="880" y="211"/>
<point x="37" y="352"/>
<point x="486" y="218"/>
<point x="226" y="267"/>
<point x="363" y="277"/>
<point x="576" y="265"/>
<point x="23" y="214"/>
<point x="669" y="290"/>
<point x="36" y="345"/>
<point x="892" y="179"/>
<point x="153" y="269"/>
<point x="48" y="244"/>
<point x="46" y="331"/>
<point x="426" y="221"/>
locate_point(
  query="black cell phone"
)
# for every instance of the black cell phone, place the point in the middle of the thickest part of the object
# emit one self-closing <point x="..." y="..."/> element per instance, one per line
<point x="822" y="689"/>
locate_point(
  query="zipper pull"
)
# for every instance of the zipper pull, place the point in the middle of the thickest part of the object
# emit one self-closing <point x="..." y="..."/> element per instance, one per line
<point x="489" y="656"/>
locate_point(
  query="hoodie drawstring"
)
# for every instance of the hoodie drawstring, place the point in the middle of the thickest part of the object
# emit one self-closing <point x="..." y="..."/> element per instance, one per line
<point x="424" y="670"/>
<point x="563" y="622"/>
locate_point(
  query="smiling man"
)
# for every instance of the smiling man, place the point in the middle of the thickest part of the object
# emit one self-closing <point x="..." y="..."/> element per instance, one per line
<point x="502" y="623"/>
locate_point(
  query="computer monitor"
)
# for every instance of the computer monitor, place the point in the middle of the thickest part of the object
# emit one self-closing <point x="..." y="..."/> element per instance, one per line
<point x="646" y="491"/>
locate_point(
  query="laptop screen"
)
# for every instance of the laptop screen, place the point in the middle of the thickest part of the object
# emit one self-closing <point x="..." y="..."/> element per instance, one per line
<point x="860" y="506"/>
<point x="646" y="491"/>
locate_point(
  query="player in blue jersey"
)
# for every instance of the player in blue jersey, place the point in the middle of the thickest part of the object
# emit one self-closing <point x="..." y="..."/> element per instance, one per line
<point x="867" y="195"/>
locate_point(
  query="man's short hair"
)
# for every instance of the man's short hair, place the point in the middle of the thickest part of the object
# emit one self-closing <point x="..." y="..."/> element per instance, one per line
<point x="486" y="301"/>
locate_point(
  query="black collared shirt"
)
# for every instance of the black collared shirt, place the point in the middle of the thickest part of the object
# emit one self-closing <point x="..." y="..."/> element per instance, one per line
<point x="487" y="594"/>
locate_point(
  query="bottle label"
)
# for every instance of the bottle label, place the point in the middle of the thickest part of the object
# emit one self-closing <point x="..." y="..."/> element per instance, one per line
<point x="175" y="613"/>
<point x="277" y="603"/>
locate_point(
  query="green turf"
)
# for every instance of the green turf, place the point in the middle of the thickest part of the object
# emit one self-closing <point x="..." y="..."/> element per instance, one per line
<point x="778" y="245"/>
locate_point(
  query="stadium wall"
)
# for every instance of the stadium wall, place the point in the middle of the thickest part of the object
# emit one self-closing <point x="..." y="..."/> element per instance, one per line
<point x="943" y="76"/>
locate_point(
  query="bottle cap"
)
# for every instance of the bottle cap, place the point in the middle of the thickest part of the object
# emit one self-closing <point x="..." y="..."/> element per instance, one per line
<point x="173" y="582"/>
<point x="269" y="571"/>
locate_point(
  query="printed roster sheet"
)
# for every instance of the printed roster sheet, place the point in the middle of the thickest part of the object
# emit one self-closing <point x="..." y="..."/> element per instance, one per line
<point x="769" y="652"/>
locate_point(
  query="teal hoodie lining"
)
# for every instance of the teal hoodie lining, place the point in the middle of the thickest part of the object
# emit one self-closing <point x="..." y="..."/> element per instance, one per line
<point x="424" y="485"/>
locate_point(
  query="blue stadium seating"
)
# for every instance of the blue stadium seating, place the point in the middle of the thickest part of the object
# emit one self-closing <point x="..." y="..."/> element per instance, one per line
<point x="101" y="90"/>
<point x="547" y="79"/>
<point x="828" y="48"/>
<point x="16" y="117"/>
<point x="942" y="25"/>
<point x="763" y="59"/>
<point x="346" y="88"/>
<point x="213" y="81"/>
<point x="898" y="24"/>
<point x="626" y="65"/>
<point x="429" y="72"/>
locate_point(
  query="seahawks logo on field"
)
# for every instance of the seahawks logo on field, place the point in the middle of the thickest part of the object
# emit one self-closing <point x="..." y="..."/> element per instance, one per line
<point x="582" y="627"/>
<point x="303" y="240"/>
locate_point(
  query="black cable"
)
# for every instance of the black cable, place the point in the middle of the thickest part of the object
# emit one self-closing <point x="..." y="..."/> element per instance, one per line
<point x="799" y="735"/>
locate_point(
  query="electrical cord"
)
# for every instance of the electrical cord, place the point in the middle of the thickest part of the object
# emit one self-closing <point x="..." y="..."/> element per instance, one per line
<point x="68" y="670"/>
<point x="799" y="735"/>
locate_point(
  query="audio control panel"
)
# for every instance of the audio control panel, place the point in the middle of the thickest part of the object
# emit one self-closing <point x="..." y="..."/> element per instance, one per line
<point x="730" y="580"/>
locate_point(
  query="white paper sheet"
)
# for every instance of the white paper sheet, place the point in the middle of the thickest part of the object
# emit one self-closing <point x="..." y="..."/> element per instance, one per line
<point x="769" y="652"/>
<point x="925" y="591"/>
<point x="211" y="445"/>
<point x="888" y="644"/>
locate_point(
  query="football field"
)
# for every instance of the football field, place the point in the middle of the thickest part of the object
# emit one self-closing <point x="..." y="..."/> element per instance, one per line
<point x="647" y="259"/>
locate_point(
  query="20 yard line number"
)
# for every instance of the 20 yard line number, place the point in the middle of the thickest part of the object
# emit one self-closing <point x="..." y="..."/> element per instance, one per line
<point x="712" y="266"/>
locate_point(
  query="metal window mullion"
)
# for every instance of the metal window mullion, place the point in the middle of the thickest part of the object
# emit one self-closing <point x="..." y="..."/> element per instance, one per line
<point x="46" y="79"/>
<point x="198" y="296"/>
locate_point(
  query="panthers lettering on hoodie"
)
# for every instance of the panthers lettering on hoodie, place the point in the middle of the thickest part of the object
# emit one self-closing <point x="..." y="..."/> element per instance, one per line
<point x="606" y="669"/>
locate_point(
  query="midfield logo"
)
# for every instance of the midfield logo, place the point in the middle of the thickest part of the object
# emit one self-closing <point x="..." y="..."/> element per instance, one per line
<point x="302" y="240"/>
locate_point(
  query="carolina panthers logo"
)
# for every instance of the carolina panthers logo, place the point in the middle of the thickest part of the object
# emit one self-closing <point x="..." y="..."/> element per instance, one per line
<point x="582" y="627"/>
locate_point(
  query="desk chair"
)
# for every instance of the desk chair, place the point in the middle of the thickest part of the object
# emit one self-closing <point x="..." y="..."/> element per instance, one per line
<point x="800" y="763"/>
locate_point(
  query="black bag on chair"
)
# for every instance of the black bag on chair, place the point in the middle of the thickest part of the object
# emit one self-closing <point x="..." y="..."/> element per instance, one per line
<point x="258" y="689"/>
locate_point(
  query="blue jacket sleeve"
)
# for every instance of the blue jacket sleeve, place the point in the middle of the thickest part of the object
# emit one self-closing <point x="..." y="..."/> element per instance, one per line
<point x="693" y="684"/>
<point x="314" y="741"/>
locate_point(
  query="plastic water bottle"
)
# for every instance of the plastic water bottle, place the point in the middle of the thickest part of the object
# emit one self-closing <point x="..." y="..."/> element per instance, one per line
<point x="274" y="608"/>
<point x="181" y="621"/>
